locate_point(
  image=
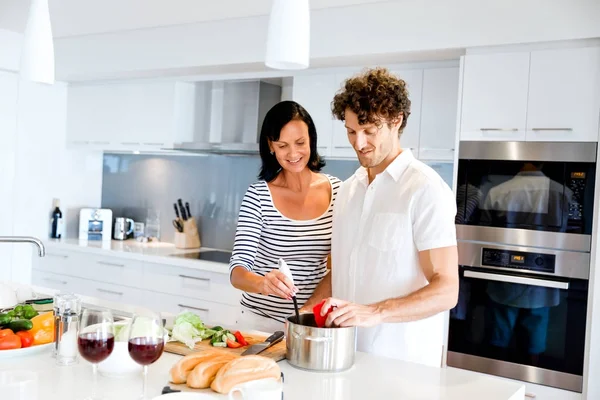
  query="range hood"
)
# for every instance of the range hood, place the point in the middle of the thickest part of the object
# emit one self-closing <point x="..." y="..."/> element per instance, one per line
<point x="218" y="148"/>
<point x="228" y="115"/>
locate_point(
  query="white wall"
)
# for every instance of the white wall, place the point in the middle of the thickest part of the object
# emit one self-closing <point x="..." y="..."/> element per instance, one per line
<point x="369" y="31"/>
<point x="10" y="46"/>
<point x="36" y="167"/>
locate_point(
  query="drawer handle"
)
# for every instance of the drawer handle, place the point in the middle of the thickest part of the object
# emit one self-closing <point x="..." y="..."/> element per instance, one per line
<point x="99" y="142"/>
<point x="55" y="281"/>
<point x="500" y="129"/>
<point x="194" y="308"/>
<point x="130" y="143"/>
<point x="57" y="255"/>
<point x="343" y="147"/>
<point x="111" y="264"/>
<point x="154" y="144"/>
<point x="193" y="277"/>
<point x="552" y="129"/>
<point x="109" y="292"/>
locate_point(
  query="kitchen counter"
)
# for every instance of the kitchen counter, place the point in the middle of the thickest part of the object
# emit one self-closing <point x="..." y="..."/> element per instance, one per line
<point x="157" y="252"/>
<point x="370" y="377"/>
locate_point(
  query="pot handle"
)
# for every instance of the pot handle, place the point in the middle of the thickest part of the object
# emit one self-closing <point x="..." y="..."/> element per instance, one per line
<point x="301" y="336"/>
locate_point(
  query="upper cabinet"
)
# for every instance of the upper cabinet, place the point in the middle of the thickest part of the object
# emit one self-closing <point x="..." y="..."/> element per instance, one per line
<point x="564" y="95"/>
<point x="130" y="116"/>
<point x="315" y="93"/>
<point x="431" y="126"/>
<point x="438" y="113"/>
<point x="494" y="97"/>
<point x="542" y="95"/>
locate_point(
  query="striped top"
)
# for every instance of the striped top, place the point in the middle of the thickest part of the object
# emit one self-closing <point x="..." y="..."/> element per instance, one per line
<point x="264" y="235"/>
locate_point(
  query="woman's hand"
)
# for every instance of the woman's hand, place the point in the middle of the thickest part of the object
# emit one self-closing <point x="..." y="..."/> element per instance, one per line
<point x="275" y="283"/>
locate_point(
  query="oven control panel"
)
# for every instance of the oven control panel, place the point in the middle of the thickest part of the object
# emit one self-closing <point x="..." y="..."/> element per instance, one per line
<point x="539" y="262"/>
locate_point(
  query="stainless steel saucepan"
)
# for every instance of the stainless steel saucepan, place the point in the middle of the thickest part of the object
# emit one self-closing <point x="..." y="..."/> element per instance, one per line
<point x="319" y="349"/>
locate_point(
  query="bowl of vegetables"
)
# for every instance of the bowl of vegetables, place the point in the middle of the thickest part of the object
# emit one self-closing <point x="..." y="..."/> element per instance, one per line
<point x="23" y="331"/>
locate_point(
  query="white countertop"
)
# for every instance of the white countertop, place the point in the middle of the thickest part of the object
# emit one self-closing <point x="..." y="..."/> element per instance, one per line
<point x="371" y="377"/>
<point x="157" y="252"/>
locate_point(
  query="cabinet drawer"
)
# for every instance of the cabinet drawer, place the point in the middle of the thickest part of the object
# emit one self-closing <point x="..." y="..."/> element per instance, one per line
<point x="53" y="281"/>
<point x="209" y="312"/>
<point x="56" y="261"/>
<point x="120" y="271"/>
<point x="192" y="283"/>
<point x="116" y="293"/>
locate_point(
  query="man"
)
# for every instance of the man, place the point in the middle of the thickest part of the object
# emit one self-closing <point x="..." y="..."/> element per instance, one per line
<point x="394" y="257"/>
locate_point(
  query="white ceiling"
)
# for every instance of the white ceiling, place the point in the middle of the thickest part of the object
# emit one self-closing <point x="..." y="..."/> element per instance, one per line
<point x="83" y="17"/>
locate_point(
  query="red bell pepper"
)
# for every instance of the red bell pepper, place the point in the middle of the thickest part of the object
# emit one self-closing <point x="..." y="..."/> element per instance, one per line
<point x="241" y="340"/>
<point x="320" y="319"/>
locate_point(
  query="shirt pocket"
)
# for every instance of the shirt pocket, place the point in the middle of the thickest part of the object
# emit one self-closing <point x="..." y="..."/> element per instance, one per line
<point x="387" y="231"/>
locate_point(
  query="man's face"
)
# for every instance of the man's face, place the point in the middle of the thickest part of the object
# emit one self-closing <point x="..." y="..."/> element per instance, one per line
<point x="372" y="144"/>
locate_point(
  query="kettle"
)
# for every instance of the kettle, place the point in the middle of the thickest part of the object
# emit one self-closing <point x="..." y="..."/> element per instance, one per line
<point x="120" y="232"/>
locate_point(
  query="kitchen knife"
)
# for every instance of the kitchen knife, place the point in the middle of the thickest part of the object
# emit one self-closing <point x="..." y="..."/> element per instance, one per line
<point x="182" y="210"/>
<point x="176" y="211"/>
<point x="187" y="208"/>
<point x="259" y="347"/>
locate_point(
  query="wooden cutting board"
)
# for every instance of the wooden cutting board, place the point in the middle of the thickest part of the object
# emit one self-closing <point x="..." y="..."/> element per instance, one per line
<point x="276" y="352"/>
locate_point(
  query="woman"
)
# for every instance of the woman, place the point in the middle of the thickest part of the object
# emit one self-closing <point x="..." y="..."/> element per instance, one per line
<point x="288" y="215"/>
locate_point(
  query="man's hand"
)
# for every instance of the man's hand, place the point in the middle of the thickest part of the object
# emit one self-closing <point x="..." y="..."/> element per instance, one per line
<point x="350" y="314"/>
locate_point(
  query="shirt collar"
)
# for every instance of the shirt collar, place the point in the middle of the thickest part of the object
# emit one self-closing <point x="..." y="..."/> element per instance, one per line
<point x="395" y="169"/>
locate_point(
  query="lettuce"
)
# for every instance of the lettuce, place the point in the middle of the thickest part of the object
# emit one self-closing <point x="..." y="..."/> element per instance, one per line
<point x="189" y="329"/>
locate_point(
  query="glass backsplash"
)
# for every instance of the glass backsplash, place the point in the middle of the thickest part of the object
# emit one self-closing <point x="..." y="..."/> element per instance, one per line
<point x="214" y="185"/>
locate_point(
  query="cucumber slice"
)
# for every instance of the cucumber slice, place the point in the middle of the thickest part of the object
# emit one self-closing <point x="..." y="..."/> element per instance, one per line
<point x="231" y="337"/>
<point x="219" y="344"/>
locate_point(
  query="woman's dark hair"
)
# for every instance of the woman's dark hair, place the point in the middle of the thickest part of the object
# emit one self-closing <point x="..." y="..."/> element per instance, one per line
<point x="277" y="117"/>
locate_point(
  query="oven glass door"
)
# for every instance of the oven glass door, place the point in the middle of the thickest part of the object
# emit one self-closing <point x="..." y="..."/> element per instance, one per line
<point x="542" y="196"/>
<point x="520" y="318"/>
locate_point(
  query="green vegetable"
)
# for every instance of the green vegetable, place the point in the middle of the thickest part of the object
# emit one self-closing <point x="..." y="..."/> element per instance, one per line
<point x="20" y="325"/>
<point x="18" y="310"/>
<point x="189" y="329"/>
<point x="217" y="328"/>
<point x="230" y="336"/>
<point x="220" y="344"/>
<point x="28" y="312"/>
<point x="11" y="314"/>
<point x="5" y="319"/>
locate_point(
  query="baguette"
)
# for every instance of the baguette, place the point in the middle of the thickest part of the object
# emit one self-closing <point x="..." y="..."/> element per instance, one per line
<point x="180" y="370"/>
<point x="244" y="369"/>
<point x="204" y="373"/>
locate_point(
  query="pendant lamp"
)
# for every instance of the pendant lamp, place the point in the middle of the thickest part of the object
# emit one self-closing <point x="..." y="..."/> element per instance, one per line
<point x="288" y="40"/>
<point x="37" y="54"/>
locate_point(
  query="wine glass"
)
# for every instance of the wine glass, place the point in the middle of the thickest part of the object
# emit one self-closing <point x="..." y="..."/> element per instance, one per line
<point x="96" y="340"/>
<point x="146" y="342"/>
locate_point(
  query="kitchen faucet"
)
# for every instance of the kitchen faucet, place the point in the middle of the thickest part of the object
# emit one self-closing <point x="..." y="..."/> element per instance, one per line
<point x="25" y="239"/>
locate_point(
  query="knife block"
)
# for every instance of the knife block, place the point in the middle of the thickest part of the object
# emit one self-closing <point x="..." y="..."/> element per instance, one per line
<point x="189" y="238"/>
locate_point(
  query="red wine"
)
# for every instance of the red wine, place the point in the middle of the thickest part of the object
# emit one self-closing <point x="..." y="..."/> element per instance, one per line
<point x="145" y="350"/>
<point x="95" y="347"/>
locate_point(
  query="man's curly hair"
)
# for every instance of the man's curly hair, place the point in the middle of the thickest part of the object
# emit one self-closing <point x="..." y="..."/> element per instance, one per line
<point x="375" y="96"/>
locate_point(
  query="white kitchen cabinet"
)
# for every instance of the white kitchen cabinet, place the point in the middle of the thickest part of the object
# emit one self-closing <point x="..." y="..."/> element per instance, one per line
<point x="55" y="281"/>
<point x="57" y="262"/>
<point x="209" y="312"/>
<point x="315" y="93"/>
<point x="414" y="83"/>
<point x="191" y="283"/>
<point x="130" y="116"/>
<point x="494" y="97"/>
<point x="111" y="292"/>
<point x="438" y="113"/>
<point x="564" y="95"/>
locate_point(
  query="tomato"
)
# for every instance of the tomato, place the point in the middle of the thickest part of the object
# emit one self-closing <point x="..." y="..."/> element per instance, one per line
<point x="232" y="344"/>
<point x="6" y="332"/>
<point x="241" y="340"/>
<point x="26" y="338"/>
<point x="10" y="342"/>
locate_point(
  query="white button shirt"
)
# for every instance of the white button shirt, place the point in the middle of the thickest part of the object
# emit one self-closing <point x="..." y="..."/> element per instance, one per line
<point x="378" y="231"/>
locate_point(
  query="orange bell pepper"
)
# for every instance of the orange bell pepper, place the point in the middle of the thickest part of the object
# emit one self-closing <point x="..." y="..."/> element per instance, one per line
<point x="43" y="328"/>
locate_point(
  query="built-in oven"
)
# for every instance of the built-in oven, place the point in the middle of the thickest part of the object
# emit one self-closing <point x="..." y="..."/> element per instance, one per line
<point x="524" y="227"/>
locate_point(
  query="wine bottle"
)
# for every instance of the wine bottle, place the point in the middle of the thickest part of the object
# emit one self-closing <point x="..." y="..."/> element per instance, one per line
<point x="56" y="226"/>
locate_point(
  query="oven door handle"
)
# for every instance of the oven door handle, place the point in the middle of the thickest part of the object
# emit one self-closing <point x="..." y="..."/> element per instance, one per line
<point x="517" y="279"/>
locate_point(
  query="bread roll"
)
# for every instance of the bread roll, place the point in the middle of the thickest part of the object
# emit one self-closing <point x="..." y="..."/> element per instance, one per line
<point x="203" y="374"/>
<point x="244" y="369"/>
<point x="180" y="370"/>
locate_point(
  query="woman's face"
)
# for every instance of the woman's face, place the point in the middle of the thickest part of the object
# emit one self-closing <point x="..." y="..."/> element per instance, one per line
<point x="292" y="150"/>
